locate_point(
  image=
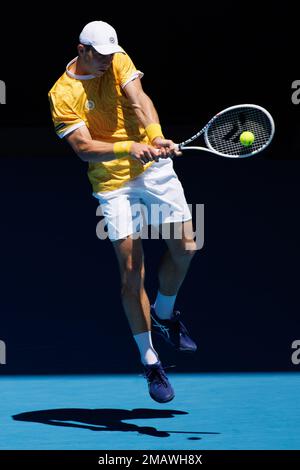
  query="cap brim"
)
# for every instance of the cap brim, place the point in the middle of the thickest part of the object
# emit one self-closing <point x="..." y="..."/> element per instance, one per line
<point x="109" y="49"/>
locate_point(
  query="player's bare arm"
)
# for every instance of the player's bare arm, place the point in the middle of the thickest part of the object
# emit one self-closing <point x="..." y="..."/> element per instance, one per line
<point x="90" y="150"/>
<point x="147" y="115"/>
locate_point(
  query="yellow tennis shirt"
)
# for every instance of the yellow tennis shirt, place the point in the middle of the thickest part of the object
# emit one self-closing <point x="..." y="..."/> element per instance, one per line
<point x="101" y="104"/>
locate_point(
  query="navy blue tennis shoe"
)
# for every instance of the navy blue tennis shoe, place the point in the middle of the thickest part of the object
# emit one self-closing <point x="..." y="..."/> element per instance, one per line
<point x="159" y="386"/>
<point x="173" y="331"/>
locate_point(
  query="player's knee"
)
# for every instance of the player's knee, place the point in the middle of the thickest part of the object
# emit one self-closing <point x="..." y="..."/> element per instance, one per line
<point x="132" y="280"/>
<point x="186" y="251"/>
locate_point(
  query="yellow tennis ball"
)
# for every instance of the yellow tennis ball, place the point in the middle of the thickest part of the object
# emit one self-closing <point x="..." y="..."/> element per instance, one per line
<point x="247" y="138"/>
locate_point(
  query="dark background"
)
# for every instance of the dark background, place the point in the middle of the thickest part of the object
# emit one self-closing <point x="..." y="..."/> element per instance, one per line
<point x="61" y="308"/>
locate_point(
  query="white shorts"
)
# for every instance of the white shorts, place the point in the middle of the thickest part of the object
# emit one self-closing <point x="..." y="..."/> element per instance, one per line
<point x="152" y="198"/>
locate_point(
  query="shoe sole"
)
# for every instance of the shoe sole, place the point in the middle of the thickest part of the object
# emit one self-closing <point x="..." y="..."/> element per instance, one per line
<point x="189" y="351"/>
<point x="162" y="401"/>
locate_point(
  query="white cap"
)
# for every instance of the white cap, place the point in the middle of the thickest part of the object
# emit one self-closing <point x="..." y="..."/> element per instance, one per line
<point x="101" y="36"/>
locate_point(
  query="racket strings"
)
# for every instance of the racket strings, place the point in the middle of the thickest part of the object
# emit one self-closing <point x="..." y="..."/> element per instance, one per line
<point x="223" y="135"/>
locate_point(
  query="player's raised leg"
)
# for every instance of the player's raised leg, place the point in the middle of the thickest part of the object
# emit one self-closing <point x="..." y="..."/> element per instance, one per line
<point x="172" y="271"/>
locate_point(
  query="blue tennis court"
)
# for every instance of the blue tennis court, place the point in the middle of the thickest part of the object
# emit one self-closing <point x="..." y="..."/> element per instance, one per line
<point x="210" y="411"/>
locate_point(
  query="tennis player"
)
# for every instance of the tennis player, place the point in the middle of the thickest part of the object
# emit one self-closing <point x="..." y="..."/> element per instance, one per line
<point x="99" y="106"/>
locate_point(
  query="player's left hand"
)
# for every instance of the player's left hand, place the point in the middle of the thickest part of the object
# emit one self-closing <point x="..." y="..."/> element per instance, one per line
<point x="166" y="147"/>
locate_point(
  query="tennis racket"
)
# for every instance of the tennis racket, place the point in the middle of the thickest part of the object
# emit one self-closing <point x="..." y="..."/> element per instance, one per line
<point x="222" y="133"/>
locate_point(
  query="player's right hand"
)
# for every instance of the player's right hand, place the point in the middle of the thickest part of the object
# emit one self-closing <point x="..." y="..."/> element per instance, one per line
<point x="144" y="153"/>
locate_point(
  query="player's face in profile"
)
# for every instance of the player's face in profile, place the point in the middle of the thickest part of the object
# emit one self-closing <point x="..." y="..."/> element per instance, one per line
<point x="96" y="63"/>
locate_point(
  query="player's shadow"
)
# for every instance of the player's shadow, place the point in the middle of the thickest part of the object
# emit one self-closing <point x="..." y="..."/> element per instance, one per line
<point x="104" y="419"/>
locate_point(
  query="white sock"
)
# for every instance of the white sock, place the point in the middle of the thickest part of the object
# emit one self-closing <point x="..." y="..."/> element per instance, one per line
<point x="147" y="351"/>
<point x="164" y="305"/>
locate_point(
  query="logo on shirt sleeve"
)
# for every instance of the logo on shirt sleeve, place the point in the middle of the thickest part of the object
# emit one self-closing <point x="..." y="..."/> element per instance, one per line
<point x="89" y="105"/>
